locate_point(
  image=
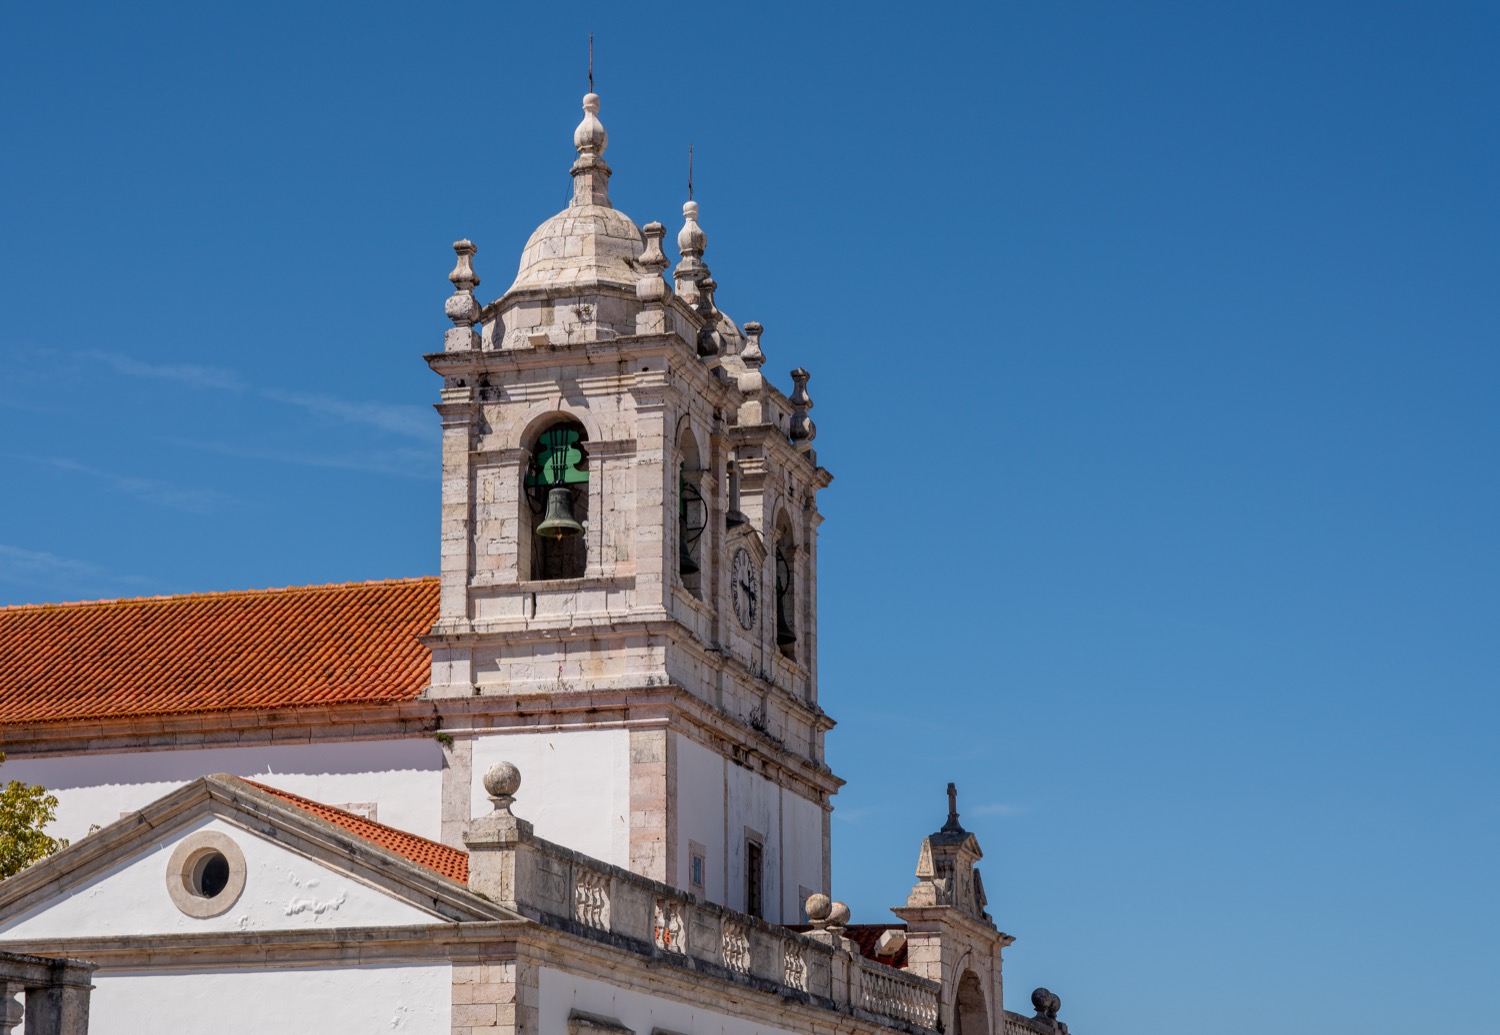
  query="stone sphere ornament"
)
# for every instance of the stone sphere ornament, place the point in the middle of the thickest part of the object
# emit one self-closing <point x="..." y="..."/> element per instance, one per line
<point x="501" y="781"/>
<point x="838" y="916"/>
<point x="818" y="906"/>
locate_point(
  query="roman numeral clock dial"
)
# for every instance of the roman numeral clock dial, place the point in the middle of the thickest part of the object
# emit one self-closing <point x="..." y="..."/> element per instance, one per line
<point x="744" y="587"/>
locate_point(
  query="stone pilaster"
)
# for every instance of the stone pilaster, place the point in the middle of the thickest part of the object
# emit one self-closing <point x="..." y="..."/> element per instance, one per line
<point x="653" y="803"/>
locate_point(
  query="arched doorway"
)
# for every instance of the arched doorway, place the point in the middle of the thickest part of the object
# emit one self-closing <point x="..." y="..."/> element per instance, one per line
<point x="970" y="1015"/>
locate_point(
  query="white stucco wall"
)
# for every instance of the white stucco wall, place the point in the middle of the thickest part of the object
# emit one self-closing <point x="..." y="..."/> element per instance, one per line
<point x="753" y="802"/>
<point x="409" y="999"/>
<point x="700" y="813"/>
<point x="575" y="787"/>
<point x="403" y="777"/>
<point x="283" y="890"/>
<point x="802" y="853"/>
<point x="560" y="993"/>
<point x="716" y="801"/>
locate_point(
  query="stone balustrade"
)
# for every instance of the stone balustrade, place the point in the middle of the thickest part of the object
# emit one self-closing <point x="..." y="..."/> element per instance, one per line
<point x="564" y="889"/>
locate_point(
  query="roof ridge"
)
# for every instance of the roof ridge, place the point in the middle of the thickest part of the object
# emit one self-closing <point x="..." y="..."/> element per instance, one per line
<point x="215" y="594"/>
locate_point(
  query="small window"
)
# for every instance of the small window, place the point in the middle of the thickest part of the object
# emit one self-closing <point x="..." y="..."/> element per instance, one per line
<point x="754" y="879"/>
<point x="697" y="867"/>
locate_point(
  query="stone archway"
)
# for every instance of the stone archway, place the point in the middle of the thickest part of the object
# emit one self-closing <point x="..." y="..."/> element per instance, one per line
<point x="970" y="1014"/>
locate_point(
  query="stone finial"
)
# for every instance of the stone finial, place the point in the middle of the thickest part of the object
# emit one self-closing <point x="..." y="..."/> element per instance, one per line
<point x="818" y="907"/>
<point x="501" y="781"/>
<point x="752" y="355"/>
<point x="590" y="137"/>
<point x="692" y="242"/>
<point x="653" y="287"/>
<point x="803" y="430"/>
<point x="838" y="917"/>
<point x="953" y="824"/>
<point x="462" y="308"/>
<point x="691" y="271"/>
<point x="590" y="173"/>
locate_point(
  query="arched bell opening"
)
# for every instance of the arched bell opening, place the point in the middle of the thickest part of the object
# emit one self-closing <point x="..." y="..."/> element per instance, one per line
<point x="557" y="496"/>
<point x="786" y="589"/>
<point x="692" y="515"/>
<point x="970" y="1014"/>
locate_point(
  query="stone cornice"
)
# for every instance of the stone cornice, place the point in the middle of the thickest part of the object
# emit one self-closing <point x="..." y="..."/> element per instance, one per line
<point x="668" y="705"/>
<point x="374" y="721"/>
<point x="924" y="919"/>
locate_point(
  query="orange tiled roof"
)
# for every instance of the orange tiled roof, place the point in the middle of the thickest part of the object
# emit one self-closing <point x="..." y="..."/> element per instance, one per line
<point x="351" y="643"/>
<point x="448" y="862"/>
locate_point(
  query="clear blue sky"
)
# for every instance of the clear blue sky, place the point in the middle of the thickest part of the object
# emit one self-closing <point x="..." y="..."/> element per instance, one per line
<point x="1204" y="621"/>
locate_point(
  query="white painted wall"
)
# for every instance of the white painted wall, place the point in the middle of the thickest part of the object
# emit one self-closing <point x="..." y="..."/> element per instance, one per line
<point x="754" y="802"/>
<point x="283" y="890"/>
<point x="560" y="993"/>
<point x="801" y="852"/>
<point x="409" y="999"/>
<point x="700" y="813"/>
<point x="575" y="787"/>
<point x="403" y="777"/>
<point x="716" y="801"/>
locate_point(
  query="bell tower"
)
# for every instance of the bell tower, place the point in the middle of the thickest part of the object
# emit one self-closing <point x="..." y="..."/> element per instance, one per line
<point x="629" y="560"/>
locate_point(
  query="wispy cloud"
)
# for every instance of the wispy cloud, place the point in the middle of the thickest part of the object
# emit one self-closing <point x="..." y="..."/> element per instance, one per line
<point x="147" y="490"/>
<point x="35" y="367"/>
<point x="30" y="567"/>
<point x="412" y="421"/>
<point x="63" y="577"/>
<point x="183" y="373"/>
<point x="401" y="463"/>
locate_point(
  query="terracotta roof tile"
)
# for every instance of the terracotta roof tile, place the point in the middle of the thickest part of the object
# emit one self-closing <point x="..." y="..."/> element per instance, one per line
<point x="441" y="859"/>
<point x="353" y="643"/>
<point x="865" y="936"/>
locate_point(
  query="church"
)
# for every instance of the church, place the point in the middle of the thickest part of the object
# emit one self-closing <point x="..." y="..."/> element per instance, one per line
<point x="573" y="785"/>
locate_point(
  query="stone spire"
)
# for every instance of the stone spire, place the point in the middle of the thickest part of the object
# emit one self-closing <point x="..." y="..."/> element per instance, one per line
<point x="590" y="173"/>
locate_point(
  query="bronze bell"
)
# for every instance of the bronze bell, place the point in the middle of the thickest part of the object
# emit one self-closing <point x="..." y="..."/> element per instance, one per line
<point x="559" y="522"/>
<point x="784" y="633"/>
<point x="685" y="563"/>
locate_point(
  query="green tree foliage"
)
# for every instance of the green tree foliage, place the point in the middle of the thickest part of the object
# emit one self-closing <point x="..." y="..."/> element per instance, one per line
<point x="24" y="811"/>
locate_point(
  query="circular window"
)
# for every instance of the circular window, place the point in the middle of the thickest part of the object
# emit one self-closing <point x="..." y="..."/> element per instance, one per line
<point x="210" y="874"/>
<point x="206" y="874"/>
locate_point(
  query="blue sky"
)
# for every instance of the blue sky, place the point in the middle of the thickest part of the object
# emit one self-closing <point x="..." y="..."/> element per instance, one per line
<point x="1204" y="624"/>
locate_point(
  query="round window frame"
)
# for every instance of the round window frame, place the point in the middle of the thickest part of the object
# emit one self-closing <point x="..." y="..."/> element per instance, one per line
<point x="185" y="861"/>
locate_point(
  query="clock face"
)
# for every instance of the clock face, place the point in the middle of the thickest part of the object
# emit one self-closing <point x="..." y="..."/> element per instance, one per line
<point x="744" y="587"/>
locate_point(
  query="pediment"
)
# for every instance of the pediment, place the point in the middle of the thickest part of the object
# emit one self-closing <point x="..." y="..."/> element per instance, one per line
<point x="220" y="855"/>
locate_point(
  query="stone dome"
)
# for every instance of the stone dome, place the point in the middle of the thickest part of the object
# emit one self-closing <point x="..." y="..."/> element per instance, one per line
<point x="588" y="244"/>
<point x="582" y="246"/>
